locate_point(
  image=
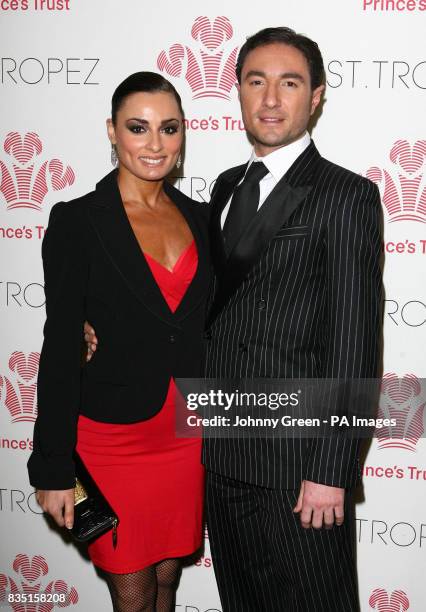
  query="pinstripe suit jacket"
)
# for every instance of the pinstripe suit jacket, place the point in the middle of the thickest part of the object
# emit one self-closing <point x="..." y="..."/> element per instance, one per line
<point x="298" y="297"/>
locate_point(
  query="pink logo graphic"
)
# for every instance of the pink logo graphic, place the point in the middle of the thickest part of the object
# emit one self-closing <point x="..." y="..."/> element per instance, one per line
<point x="209" y="69"/>
<point x="18" y="392"/>
<point x="39" y="599"/>
<point x="23" y="183"/>
<point x="402" y="400"/>
<point x="403" y="188"/>
<point x="396" y="602"/>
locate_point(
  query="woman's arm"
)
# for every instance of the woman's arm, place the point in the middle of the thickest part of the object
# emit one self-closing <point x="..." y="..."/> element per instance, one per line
<point x="65" y="263"/>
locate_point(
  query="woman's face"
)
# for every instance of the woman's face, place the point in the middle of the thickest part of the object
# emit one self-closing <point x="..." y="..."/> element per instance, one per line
<point x="148" y="134"/>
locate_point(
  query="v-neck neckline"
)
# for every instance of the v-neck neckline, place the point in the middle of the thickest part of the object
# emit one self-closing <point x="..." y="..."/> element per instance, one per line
<point x="119" y="240"/>
<point x="178" y="261"/>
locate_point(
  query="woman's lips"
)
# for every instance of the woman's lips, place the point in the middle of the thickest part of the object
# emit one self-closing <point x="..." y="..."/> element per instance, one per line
<point x="152" y="161"/>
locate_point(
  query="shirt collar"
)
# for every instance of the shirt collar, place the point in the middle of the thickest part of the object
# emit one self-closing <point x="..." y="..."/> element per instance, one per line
<point x="279" y="161"/>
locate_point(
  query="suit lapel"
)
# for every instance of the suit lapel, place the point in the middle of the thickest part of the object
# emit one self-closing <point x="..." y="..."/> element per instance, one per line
<point x="220" y="197"/>
<point x="276" y="210"/>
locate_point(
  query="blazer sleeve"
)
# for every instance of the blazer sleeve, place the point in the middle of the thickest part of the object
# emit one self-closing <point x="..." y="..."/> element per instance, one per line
<point x="65" y="263"/>
<point x="353" y="318"/>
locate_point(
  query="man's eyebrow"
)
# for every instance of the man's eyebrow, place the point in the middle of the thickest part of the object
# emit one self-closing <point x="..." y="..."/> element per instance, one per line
<point x="293" y="75"/>
<point x="284" y="75"/>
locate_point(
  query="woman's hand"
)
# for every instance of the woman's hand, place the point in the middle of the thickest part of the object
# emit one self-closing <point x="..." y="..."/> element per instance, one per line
<point x="59" y="504"/>
<point x="90" y="339"/>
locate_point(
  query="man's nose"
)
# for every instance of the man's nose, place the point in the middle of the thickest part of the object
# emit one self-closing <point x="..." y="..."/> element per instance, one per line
<point x="271" y="98"/>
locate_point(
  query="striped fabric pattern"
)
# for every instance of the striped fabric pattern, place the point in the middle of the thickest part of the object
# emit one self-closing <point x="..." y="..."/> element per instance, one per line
<point x="310" y="307"/>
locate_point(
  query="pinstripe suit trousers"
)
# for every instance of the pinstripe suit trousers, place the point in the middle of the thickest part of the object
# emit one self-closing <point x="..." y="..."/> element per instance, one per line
<point x="264" y="561"/>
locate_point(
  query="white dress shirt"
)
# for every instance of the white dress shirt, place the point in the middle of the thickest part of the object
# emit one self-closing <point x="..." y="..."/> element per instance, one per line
<point x="277" y="162"/>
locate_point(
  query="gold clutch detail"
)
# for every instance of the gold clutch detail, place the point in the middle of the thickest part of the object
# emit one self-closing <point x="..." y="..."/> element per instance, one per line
<point x="80" y="493"/>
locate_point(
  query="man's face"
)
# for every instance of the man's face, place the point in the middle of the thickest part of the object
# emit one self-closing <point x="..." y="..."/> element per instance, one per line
<point x="276" y="96"/>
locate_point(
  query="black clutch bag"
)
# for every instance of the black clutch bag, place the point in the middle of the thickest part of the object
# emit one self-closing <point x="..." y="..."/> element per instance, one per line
<point x="92" y="513"/>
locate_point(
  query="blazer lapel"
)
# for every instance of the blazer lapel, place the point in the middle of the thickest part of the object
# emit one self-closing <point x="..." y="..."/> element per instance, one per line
<point x="200" y="283"/>
<point x="287" y="195"/>
<point x="116" y="235"/>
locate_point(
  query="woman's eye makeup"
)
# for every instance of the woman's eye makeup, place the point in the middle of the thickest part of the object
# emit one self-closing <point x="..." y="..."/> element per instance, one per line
<point x="136" y="128"/>
<point x="169" y="129"/>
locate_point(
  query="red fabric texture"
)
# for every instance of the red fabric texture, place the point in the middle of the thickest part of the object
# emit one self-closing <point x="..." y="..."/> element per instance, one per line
<point x="153" y="480"/>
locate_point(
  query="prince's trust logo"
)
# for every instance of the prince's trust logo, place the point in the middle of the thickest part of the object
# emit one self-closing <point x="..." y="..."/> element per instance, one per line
<point x="403" y="402"/>
<point x="18" y="390"/>
<point x="24" y="183"/>
<point x="397" y="601"/>
<point x="209" y="67"/>
<point x="403" y="186"/>
<point x="25" y="591"/>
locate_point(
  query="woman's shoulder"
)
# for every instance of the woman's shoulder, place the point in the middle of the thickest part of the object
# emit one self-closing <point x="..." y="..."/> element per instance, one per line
<point x="201" y="209"/>
<point x="68" y="220"/>
<point x="72" y="211"/>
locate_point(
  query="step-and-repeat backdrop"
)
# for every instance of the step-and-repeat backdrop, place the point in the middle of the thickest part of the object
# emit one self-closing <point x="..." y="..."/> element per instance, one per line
<point x="60" y="62"/>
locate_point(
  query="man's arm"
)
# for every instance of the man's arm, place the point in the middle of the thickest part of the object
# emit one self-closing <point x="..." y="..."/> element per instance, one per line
<point x="90" y="340"/>
<point x="352" y="336"/>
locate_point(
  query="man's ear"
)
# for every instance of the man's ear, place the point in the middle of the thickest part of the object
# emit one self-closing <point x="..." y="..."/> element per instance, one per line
<point x="111" y="131"/>
<point x="237" y="85"/>
<point x="316" y="97"/>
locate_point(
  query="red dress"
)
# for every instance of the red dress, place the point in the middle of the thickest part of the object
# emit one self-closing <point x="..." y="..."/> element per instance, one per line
<point x="153" y="480"/>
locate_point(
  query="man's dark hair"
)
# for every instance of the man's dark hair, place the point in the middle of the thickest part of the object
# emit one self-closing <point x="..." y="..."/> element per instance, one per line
<point x="285" y="36"/>
<point x="148" y="82"/>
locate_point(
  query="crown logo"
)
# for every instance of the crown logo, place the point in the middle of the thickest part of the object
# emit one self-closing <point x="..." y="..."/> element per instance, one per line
<point x="380" y="600"/>
<point x="23" y="182"/>
<point x="209" y="69"/>
<point x="30" y="574"/>
<point x="401" y="399"/>
<point x="403" y="188"/>
<point x="18" y="392"/>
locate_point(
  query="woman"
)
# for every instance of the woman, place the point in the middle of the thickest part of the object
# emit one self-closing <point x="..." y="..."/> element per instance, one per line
<point x="131" y="255"/>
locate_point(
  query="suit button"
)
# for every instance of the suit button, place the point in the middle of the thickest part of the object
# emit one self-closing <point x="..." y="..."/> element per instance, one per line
<point x="243" y="348"/>
<point x="261" y="304"/>
<point x="172" y="339"/>
<point x="207" y="335"/>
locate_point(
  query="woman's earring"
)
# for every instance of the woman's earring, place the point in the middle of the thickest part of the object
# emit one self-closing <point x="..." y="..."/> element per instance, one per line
<point x="179" y="162"/>
<point x="114" y="156"/>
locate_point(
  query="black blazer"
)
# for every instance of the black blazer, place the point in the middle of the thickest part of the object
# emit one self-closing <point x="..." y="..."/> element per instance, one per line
<point x="94" y="269"/>
<point x="299" y="297"/>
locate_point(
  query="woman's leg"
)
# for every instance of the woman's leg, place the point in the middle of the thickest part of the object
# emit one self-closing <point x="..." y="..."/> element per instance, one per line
<point x="168" y="572"/>
<point x="135" y="592"/>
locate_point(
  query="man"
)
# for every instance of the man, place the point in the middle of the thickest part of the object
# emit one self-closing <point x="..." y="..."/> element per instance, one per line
<point x="296" y="247"/>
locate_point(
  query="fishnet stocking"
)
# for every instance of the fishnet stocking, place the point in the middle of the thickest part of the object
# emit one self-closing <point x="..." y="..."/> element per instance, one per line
<point x="152" y="589"/>
<point x="134" y="592"/>
<point x="168" y="572"/>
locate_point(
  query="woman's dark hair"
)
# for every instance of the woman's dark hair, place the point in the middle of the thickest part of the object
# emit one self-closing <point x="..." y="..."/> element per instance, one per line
<point x="286" y="36"/>
<point x="148" y="82"/>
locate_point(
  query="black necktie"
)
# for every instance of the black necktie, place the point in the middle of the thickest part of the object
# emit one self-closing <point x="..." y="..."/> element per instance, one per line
<point x="244" y="204"/>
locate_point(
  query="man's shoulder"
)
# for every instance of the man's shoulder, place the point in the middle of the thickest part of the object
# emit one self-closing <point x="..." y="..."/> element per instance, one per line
<point x="230" y="173"/>
<point x="329" y="173"/>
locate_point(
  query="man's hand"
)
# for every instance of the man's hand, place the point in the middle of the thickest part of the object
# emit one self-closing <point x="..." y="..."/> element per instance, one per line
<point x="320" y="505"/>
<point x="59" y="504"/>
<point x="90" y="339"/>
